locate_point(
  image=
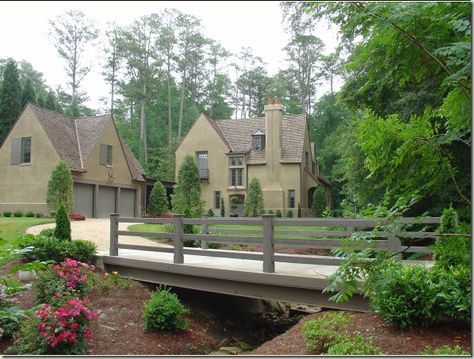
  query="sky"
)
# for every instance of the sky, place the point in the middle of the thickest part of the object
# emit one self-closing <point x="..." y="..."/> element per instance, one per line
<point x="235" y="24"/>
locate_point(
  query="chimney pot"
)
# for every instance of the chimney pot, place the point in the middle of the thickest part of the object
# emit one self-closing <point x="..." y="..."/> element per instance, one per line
<point x="276" y="100"/>
<point x="270" y="100"/>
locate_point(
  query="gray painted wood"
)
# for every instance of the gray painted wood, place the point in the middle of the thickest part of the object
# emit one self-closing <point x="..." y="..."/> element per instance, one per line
<point x="235" y="230"/>
<point x="146" y="248"/>
<point x="417" y="249"/>
<point x="394" y="245"/>
<point x="145" y="220"/>
<point x="178" y="239"/>
<point x="223" y="253"/>
<point x="268" y="244"/>
<point x="96" y="201"/>
<point x="113" y="234"/>
<point x="224" y="220"/>
<point x="159" y="235"/>
<point x="204" y="230"/>
<point x="224" y="239"/>
<point x="314" y="233"/>
<point x="307" y="259"/>
<point x="15" y="157"/>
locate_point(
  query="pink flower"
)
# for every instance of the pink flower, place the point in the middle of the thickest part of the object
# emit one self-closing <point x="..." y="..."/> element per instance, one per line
<point x="74" y="325"/>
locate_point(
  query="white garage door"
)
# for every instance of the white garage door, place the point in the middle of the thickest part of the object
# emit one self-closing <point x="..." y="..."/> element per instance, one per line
<point x="83" y="199"/>
<point x="106" y="201"/>
<point x="127" y="202"/>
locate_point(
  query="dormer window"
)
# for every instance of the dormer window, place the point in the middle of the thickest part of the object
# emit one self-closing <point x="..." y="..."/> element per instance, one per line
<point x="258" y="141"/>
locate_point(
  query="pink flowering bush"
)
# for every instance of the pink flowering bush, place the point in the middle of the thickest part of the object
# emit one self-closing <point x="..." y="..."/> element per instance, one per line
<point x="64" y="330"/>
<point x="69" y="279"/>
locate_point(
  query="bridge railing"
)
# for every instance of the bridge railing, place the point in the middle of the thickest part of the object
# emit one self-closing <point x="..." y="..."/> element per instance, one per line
<point x="270" y="232"/>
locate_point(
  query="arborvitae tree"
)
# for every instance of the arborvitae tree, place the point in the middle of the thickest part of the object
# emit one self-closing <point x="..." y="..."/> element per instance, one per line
<point x="210" y="213"/>
<point x="278" y="214"/>
<point x="222" y="208"/>
<point x="289" y="214"/>
<point x="299" y="210"/>
<point x="187" y="198"/>
<point x="253" y="206"/>
<point x="27" y="93"/>
<point x="60" y="191"/>
<point x="10" y="98"/>
<point x="63" y="226"/>
<point x="158" y="203"/>
<point x="40" y="100"/>
<point x="320" y="201"/>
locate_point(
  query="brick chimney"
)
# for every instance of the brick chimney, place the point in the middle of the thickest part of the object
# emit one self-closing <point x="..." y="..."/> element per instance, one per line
<point x="273" y="123"/>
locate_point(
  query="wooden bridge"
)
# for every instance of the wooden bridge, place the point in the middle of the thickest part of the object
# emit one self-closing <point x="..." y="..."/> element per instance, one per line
<point x="266" y="274"/>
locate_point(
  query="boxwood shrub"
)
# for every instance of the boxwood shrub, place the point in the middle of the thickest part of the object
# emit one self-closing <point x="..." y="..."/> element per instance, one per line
<point x="164" y="311"/>
<point x="7" y="214"/>
<point x="18" y="214"/>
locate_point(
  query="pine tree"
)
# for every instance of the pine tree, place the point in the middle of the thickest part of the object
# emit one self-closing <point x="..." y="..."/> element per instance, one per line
<point x="253" y="206"/>
<point x="158" y="203"/>
<point x="28" y="93"/>
<point x="60" y="191"/>
<point x="10" y="98"/>
<point x="187" y="198"/>
<point x="63" y="226"/>
<point x="320" y="201"/>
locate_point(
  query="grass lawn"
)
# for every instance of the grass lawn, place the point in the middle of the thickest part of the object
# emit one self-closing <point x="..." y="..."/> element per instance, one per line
<point x="11" y="229"/>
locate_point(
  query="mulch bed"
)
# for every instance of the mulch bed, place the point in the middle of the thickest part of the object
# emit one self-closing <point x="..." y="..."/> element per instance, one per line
<point x="390" y="340"/>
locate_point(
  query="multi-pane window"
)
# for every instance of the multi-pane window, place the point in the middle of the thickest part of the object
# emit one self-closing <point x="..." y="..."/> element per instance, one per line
<point x="236" y="164"/>
<point x="258" y="143"/>
<point x="202" y="161"/>
<point x="109" y="155"/>
<point x="236" y="174"/>
<point x="217" y="199"/>
<point x="291" y="198"/>
<point x="25" y="149"/>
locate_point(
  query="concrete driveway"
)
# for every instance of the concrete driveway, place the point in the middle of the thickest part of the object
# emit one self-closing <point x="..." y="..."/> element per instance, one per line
<point x="98" y="231"/>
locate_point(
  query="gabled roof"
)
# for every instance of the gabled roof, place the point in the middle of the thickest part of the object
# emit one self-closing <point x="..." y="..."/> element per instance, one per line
<point x="75" y="138"/>
<point x="238" y="135"/>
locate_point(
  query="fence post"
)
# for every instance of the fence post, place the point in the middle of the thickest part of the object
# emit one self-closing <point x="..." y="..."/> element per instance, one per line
<point x="395" y="245"/>
<point x="204" y="227"/>
<point x="113" y="234"/>
<point x="268" y="243"/>
<point x="178" y="239"/>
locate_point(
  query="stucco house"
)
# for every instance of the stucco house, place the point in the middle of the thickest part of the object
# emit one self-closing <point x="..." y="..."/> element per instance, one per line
<point x="275" y="148"/>
<point x="107" y="176"/>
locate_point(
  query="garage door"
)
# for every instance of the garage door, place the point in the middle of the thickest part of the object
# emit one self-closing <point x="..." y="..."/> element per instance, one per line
<point x="106" y="202"/>
<point x="83" y="199"/>
<point x="127" y="202"/>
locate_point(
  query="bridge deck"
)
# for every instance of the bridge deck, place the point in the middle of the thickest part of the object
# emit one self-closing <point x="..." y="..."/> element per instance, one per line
<point x="291" y="282"/>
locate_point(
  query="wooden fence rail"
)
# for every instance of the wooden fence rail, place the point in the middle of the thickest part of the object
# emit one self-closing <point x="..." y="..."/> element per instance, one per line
<point x="268" y="235"/>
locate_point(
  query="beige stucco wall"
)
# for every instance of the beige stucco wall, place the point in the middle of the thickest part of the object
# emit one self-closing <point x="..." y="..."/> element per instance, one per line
<point x="23" y="187"/>
<point x="99" y="174"/>
<point x="202" y="137"/>
<point x="308" y="180"/>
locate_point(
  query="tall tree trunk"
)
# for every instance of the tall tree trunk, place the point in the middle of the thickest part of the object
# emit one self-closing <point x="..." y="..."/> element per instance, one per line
<point x="331" y="78"/>
<point x="143" y="126"/>
<point x="213" y="90"/>
<point x="181" y="105"/>
<point x="170" y="120"/>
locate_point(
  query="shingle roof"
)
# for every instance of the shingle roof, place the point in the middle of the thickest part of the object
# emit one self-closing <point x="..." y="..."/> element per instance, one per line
<point x="238" y="134"/>
<point x="75" y="138"/>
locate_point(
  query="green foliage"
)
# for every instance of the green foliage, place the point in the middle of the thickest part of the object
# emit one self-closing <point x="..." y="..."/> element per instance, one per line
<point x="222" y="208"/>
<point x="38" y="215"/>
<point x="18" y="214"/>
<point x="299" y="210"/>
<point x="7" y="214"/>
<point x="28" y="342"/>
<point x="158" y="202"/>
<point x="27" y="93"/>
<point x="163" y="311"/>
<point x="406" y="296"/>
<point x="319" y="202"/>
<point x="289" y="214"/>
<point x="210" y="212"/>
<point x="278" y="214"/>
<point x="187" y="195"/>
<point x="10" y="98"/>
<point x="36" y="266"/>
<point x="445" y="350"/>
<point x="44" y="248"/>
<point x="270" y="211"/>
<point x="60" y="189"/>
<point x="63" y="225"/>
<point x="451" y="250"/>
<point x="322" y="333"/>
<point x="253" y="206"/>
<point x="11" y="319"/>
<point x="356" y="344"/>
<point x="29" y="214"/>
